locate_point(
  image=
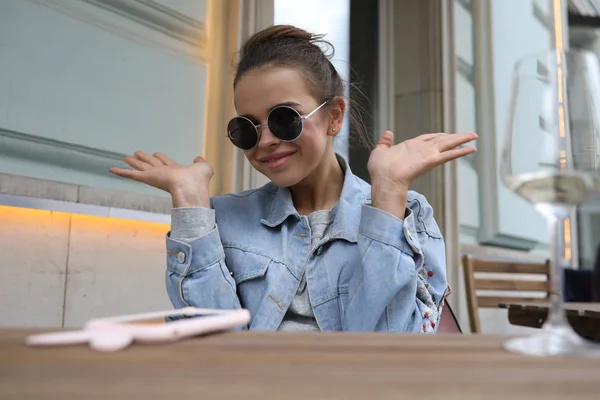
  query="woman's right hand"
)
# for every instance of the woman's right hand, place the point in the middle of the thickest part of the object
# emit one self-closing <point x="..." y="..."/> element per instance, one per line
<point x="187" y="184"/>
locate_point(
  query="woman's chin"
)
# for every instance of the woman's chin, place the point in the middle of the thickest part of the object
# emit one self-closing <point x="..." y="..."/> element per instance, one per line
<point x="283" y="180"/>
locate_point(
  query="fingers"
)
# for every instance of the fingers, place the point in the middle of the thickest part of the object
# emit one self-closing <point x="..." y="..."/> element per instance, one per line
<point x="127" y="173"/>
<point x="147" y="158"/>
<point x="453" y="154"/>
<point x="143" y="162"/>
<point x="447" y="142"/>
<point x="137" y="164"/>
<point x="164" y="159"/>
<point x="429" y="136"/>
<point x="386" y="140"/>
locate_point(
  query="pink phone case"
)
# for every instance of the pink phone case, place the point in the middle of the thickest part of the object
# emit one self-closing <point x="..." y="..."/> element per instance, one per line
<point x="117" y="333"/>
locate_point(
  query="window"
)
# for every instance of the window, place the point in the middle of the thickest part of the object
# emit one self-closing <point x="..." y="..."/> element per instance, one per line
<point x="88" y="82"/>
<point x="331" y="18"/>
<point x="490" y="36"/>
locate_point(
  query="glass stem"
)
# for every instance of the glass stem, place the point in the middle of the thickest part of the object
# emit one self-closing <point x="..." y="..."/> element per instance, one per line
<point x="556" y="314"/>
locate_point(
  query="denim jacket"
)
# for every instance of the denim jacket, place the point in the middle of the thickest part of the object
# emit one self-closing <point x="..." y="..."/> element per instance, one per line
<point x="373" y="272"/>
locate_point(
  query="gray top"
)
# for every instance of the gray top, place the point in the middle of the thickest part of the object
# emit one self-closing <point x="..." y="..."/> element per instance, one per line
<point x="299" y="316"/>
<point x="191" y="223"/>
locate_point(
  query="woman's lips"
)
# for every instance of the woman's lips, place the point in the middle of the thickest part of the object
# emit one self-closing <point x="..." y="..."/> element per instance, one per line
<point x="277" y="161"/>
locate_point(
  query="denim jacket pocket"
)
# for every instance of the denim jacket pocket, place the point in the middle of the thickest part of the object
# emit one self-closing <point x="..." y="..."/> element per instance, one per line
<point x="245" y="265"/>
<point x="248" y="268"/>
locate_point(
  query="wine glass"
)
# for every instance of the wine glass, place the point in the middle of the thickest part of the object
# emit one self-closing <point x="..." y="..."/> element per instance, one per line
<point x="551" y="158"/>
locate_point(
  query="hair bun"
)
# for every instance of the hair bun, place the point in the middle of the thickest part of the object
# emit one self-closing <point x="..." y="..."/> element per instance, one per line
<point x="287" y="33"/>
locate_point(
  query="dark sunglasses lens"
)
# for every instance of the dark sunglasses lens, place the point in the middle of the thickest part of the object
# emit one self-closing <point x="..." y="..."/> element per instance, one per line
<point x="285" y="123"/>
<point x="242" y="133"/>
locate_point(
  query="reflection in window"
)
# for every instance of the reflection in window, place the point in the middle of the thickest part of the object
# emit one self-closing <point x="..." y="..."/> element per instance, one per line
<point x="587" y="36"/>
<point x="465" y="72"/>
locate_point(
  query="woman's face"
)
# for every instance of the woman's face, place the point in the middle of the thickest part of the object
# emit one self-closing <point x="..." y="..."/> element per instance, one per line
<point x="284" y="163"/>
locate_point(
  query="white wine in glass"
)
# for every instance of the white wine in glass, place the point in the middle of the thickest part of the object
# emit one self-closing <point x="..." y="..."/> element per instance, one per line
<point x="551" y="158"/>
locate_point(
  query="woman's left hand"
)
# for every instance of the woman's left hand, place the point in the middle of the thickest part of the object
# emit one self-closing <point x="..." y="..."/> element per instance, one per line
<point x="393" y="168"/>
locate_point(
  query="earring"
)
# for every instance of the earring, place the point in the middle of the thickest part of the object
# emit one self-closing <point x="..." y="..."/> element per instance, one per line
<point x="332" y="129"/>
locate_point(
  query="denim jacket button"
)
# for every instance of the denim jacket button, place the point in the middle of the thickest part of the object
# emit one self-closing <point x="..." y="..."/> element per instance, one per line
<point x="181" y="257"/>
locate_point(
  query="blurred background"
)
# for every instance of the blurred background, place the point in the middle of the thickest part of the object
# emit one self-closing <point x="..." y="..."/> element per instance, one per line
<point x="85" y="82"/>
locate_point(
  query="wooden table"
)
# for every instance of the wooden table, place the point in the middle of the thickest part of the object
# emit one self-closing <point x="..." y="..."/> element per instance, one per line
<point x="248" y="365"/>
<point x="584" y="317"/>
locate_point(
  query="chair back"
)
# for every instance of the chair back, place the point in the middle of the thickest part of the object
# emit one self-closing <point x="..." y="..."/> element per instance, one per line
<point x="510" y="279"/>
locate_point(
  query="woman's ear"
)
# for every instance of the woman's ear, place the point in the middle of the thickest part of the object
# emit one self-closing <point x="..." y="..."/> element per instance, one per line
<point x="336" y="116"/>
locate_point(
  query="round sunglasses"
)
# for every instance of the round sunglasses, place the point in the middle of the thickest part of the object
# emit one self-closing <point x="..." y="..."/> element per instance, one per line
<point x="285" y="123"/>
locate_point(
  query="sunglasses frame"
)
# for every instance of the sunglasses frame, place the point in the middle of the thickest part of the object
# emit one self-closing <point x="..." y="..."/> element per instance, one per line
<point x="258" y="130"/>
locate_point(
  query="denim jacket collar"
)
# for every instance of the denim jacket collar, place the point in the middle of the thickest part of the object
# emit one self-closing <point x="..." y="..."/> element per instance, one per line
<point x="348" y="209"/>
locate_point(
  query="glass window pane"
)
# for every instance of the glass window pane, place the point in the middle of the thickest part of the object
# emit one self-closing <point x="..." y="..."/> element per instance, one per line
<point x="588" y="215"/>
<point x="463" y="32"/>
<point x="331" y="18"/>
<point x="510" y="29"/>
<point x="81" y="86"/>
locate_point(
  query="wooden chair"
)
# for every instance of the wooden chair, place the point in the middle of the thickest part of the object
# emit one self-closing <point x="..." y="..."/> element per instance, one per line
<point x="509" y="282"/>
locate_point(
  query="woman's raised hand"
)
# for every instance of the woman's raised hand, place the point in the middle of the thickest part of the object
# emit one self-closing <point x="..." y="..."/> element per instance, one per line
<point x="393" y="168"/>
<point x="187" y="184"/>
<point x="406" y="161"/>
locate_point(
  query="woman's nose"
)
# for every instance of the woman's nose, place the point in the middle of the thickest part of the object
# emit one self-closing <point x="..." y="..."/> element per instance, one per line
<point x="267" y="139"/>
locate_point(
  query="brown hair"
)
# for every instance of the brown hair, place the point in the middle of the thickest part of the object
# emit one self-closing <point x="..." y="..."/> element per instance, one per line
<point x="288" y="46"/>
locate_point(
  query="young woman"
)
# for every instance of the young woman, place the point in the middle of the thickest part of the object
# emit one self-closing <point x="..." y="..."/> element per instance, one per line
<point x="317" y="248"/>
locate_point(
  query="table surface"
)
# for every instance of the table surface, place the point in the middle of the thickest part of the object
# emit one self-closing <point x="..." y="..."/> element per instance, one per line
<point x="295" y="366"/>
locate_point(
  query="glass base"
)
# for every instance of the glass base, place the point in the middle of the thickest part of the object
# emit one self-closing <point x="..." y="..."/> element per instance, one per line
<point x="553" y="341"/>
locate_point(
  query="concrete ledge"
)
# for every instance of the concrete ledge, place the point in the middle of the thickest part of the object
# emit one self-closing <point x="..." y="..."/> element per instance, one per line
<point x="21" y="191"/>
<point x="30" y="187"/>
<point x="121" y="199"/>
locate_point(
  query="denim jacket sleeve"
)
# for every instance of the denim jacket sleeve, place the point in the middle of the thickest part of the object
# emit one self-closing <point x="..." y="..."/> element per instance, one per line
<point x="402" y="279"/>
<point x="197" y="266"/>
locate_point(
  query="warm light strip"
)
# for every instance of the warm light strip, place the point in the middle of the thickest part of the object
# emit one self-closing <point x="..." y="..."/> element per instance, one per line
<point x="561" y="116"/>
<point x="559" y="41"/>
<point x="30" y="216"/>
<point x="34" y="203"/>
<point x="558" y="29"/>
<point x="222" y="29"/>
<point x="559" y="73"/>
<point x="568" y="245"/>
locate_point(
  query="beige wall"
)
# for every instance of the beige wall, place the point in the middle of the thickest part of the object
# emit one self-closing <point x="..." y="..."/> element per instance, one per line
<point x="59" y="269"/>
